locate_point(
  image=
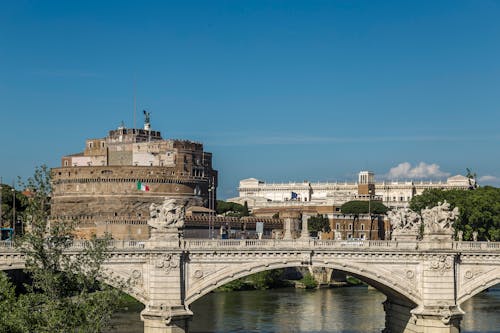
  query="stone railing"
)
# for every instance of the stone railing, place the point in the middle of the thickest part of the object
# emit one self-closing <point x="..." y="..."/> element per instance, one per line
<point x="476" y="245"/>
<point x="276" y="244"/>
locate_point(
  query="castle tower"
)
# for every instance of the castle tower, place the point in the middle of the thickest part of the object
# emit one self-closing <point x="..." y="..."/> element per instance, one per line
<point x="110" y="186"/>
<point x="366" y="183"/>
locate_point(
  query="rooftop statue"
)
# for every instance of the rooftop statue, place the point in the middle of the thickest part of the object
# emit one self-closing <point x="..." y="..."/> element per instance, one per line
<point x="147" y="117"/>
<point x="439" y="219"/>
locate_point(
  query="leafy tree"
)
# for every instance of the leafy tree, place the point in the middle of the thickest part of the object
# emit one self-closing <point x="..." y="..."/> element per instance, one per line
<point x="309" y="281"/>
<point x="67" y="294"/>
<point x="357" y="207"/>
<point x="245" y="211"/>
<point x="266" y="279"/>
<point x="479" y="210"/>
<point x="318" y="223"/>
<point x="231" y="209"/>
<point x="7" y="204"/>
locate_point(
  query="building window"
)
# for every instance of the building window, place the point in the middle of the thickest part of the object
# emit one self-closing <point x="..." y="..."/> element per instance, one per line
<point x="337" y="226"/>
<point x="362" y="227"/>
<point x="66" y="163"/>
<point x="350" y="226"/>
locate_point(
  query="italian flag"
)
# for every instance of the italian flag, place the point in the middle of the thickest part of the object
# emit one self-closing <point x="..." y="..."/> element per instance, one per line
<point x="142" y="187"/>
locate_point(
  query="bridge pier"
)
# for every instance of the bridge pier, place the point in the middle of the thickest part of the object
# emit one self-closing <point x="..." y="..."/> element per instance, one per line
<point x="171" y="320"/>
<point x="401" y="318"/>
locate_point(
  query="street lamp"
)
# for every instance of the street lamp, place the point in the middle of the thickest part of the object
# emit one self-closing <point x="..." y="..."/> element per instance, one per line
<point x="211" y="206"/>
<point x="13" y="207"/>
<point x="1" y="219"/>
<point x="369" y="211"/>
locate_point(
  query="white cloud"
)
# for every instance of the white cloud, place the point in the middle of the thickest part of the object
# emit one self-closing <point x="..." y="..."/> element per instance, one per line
<point x="422" y="170"/>
<point x="489" y="180"/>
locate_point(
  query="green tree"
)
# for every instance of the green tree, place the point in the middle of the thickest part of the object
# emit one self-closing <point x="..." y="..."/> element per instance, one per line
<point x="309" y="281"/>
<point x="358" y="207"/>
<point x="7" y="193"/>
<point x="245" y="211"/>
<point x="479" y="210"/>
<point x="318" y="223"/>
<point x="231" y="209"/>
<point x="66" y="294"/>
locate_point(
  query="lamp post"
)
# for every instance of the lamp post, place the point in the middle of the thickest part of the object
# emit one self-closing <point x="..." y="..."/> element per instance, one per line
<point x="1" y="219"/>
<point x="211" y="206"/>
<point x="369" y="212"/>
<point x="13" y="207"/>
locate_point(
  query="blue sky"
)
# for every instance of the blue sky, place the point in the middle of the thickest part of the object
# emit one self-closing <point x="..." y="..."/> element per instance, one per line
<point x="277" y="90"/>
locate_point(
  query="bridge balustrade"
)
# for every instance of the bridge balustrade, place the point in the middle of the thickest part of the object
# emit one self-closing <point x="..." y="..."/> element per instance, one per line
<point x="279" y="243"/>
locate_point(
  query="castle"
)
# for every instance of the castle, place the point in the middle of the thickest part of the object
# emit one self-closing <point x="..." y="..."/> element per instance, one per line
<point x="111" y="184"/>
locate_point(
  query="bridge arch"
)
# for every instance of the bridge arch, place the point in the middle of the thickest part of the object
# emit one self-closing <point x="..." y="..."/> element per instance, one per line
<point x="392" y="287"/>
<point x="479" y="284"/>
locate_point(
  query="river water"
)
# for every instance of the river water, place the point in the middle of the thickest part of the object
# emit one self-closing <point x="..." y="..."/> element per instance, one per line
<point x="353" y="309"/>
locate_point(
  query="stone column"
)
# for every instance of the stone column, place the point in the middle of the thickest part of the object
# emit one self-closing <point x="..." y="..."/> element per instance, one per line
<point x="291" y="219"/>
<point x="304" y="234"/>
<point x="165" y="311"/>
<point x="438" y="311"/>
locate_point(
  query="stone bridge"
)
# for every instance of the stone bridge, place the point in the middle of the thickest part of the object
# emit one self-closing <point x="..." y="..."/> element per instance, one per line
<point x="425" y="284"/>
<point x="425" y="281"/>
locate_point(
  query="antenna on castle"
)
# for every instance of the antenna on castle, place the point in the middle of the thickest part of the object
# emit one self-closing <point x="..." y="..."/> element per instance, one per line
<point x="135" y="101"/>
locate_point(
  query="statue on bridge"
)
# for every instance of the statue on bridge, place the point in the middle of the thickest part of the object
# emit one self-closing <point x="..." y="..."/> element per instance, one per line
<point x="439" y="219"/>
<point x="167" y="220"/>
<point x="405" y="224"/>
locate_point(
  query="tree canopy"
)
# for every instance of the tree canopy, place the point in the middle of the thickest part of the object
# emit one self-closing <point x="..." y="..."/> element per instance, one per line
<point x="318" y="223"/>
<point x="66" y="294"/>
<point x="357" y="207"/>
<point x="232" y="209"/>
<point x="479" y="209"/>
<point x="8" y="206"/>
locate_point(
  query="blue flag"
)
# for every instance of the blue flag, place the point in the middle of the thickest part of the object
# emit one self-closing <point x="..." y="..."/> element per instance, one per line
<point x="294" y="195"/>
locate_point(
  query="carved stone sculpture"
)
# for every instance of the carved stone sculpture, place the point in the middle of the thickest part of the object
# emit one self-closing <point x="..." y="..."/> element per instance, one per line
<point x="438" y="225"/>
<point x="405" y="224"/>
<point x="439" y="219"/>
<point x="167" y="219"/>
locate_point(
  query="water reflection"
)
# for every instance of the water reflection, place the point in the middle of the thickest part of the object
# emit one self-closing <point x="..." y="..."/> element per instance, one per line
<point x="482" y="312"/>
<point x="355" y="309"/>
<point x="291" y="310"/>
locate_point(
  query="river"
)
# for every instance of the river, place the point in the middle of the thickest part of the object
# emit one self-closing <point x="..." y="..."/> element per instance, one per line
<point x="353" y="309"/>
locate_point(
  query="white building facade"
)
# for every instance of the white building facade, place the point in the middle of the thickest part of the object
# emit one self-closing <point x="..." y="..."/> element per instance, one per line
<point x="259" y="194"/>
